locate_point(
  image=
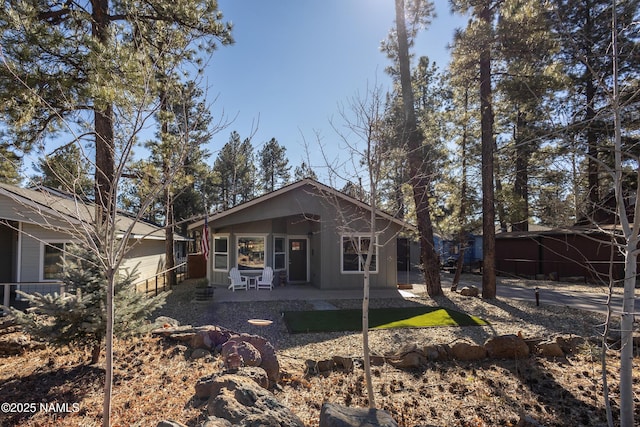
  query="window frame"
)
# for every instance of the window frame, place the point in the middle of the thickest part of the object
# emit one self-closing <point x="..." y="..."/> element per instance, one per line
<point x="276" y="253"/>
<point x="358" y="237"/>
<point x="265" y="255"/>
<point x="215" y="253"/>
<point x="41" y="263"/>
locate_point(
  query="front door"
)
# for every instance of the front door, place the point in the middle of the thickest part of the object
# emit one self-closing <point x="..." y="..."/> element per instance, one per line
<point x="298" y="260"/>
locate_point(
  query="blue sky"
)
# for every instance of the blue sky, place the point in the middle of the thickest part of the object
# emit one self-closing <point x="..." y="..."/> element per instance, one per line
<point x="295" y="61"/>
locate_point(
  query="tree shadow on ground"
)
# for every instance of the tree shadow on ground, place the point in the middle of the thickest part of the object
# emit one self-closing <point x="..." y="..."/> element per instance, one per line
<point x="542" y="396"/>
<point x="62" y="386"/>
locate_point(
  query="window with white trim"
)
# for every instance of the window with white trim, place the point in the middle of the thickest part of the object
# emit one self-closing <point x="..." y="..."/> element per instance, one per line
<point x="251" y="252"/>
<point x="221" y="253"/>
<point x="354" y="254"/>
<point x="279" y="253"/>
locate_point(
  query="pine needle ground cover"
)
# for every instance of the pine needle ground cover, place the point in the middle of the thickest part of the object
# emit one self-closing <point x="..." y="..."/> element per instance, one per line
<point x="380" y="318"/>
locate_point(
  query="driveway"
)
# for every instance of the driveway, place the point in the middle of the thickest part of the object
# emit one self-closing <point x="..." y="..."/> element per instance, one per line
<point x="595" y="302"/>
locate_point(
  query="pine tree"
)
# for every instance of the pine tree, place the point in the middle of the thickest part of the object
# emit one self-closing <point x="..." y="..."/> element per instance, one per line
<point x="10" y="164"/>
<point x="65" y="169"/>
<point x="304" y="171"/>
<point x="78" y="316"/>
<point x="274" y="166"/>
<point x="409" y="19"/>
<point x="234" y="172"/>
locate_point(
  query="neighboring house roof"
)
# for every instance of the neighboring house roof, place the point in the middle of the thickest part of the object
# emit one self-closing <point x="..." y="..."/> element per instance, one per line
<point x="319" y="187"/>
<point x="44" y="204"/>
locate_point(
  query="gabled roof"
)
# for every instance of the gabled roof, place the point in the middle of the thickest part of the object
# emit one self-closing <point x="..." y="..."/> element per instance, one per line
<point x="45" y="204"/>
<point x="321" y="188"/>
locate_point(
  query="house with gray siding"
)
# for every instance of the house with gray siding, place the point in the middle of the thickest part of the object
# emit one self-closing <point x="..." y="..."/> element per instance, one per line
<point x="309" y="233"/>
<point x="35" y="226"/>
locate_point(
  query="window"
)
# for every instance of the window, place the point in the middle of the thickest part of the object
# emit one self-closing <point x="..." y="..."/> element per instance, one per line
<point x="251" y="253"/>
<point x="52" y="259"/>
<point x="279" y="254"/>
<point x="221" y="253"/>
<point x="354" y="254"/>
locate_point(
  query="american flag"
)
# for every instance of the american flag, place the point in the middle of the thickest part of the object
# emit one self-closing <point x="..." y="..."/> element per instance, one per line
<point x="204" y="242"/>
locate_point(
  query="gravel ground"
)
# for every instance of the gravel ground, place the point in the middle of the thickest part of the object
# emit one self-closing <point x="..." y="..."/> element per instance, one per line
<point x="505" y="317"/>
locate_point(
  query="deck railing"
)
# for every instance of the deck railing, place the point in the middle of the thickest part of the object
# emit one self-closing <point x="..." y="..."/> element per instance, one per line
<point x="29" y="287"/>
<point x="159" y="282"/>
<point x="153" y="284"/>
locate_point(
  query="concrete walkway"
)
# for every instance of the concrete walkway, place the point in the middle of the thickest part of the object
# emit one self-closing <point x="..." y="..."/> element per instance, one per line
<point x="595" y="302"/>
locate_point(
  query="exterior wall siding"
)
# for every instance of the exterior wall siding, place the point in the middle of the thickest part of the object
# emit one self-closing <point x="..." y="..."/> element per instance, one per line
<point x="147" y="257"/>
<point x="322" y="220"/>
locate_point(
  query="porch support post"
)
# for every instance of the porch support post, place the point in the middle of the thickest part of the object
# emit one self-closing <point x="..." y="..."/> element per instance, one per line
<point x="7" y="291"/>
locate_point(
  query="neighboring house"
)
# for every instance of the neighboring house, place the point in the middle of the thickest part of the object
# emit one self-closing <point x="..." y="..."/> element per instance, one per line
<point x="449" y="251"/>
<point x="308" y="233"/>
<point x="35" y="226"/>
<point x="584" y="252"/>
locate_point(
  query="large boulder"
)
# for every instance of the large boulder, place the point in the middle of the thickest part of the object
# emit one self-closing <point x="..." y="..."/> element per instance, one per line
<point x="267" y="352"/>
<point x="506" y="347"/>
<point x="216" y="422"/>
<point x="211" y="339"/>
<point x="242" y="402"/>
<point x="169" y="423"/>
<point x="208" y="386"/>
<point x="249" y="354"/>
<point x="332" y="415"/>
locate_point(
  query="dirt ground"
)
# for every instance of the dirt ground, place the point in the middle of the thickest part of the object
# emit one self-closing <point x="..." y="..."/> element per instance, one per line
<point x="154" y="378"/>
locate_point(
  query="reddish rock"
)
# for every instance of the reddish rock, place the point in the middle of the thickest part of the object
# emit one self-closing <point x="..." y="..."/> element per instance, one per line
<point x="466" y="352"/>
<point x="268" y="354"/>
<point x="506" y="347"/>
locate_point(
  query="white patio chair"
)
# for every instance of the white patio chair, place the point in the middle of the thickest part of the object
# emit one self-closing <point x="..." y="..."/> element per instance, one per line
<point x="266" y="280"/>
<point x="237" y="281"/>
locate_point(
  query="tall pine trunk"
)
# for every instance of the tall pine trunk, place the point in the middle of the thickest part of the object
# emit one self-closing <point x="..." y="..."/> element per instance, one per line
<point x="462" y="219"/>
<point x="486" y="124"/>
<point x="418" y="169"/>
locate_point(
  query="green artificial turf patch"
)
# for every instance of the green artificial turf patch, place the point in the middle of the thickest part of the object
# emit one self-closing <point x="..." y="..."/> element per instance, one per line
<point x="379" y="318"/>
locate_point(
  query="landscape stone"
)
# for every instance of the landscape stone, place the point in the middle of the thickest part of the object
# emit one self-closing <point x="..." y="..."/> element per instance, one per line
<point x="549" y="349"/>
<point x="267" y="352"/>
<point x="506" y="347"/>
<point x="376" y="360"/>
<point x="332" y="415"/>
<point x="325" y="365"/>
<point x="311" y="366"/>
<point x="165" y="321"/>
<point x="174" y="331"/>
<point x="342" y="362"/>
<point x="470" y="291"/>
<point x="216" y="422"/>
<point x="242" y="402"/>
<point x="209" y="385"/>
<point x="437" y="352"/>
<point x="410" y="360"/>
<point x="528" y="421"/>
<point x="200" y="353"/>
<point x="169" y="423"/>
<point x="570" y="344"/>
<point x="466" y="352"/>
<point x="249" y="354"/>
